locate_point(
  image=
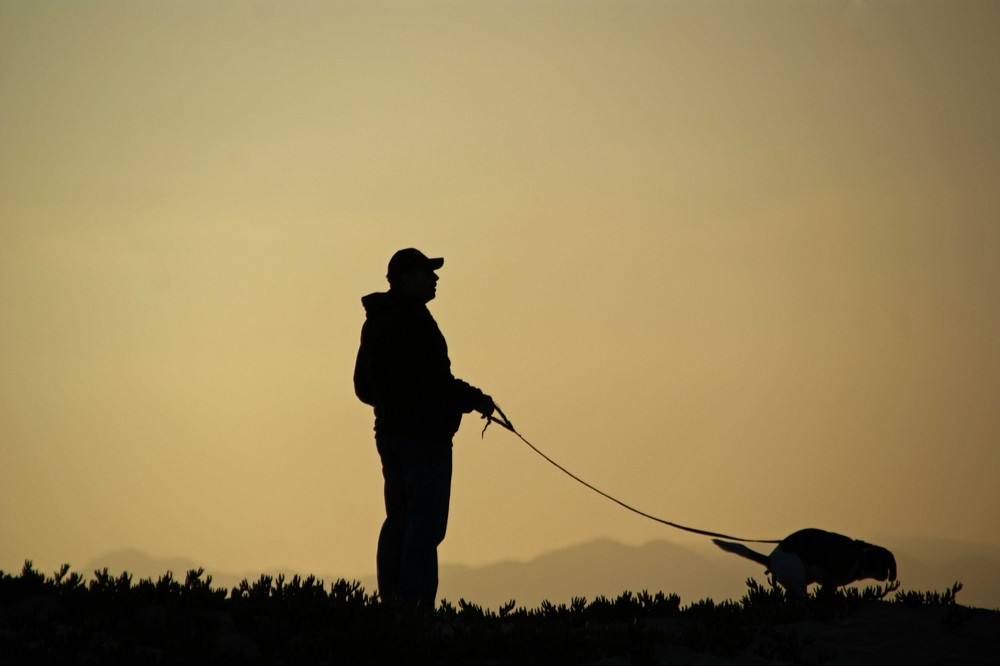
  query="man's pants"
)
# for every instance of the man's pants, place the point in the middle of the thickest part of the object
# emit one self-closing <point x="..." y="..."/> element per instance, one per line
<point x="417" y="491"/>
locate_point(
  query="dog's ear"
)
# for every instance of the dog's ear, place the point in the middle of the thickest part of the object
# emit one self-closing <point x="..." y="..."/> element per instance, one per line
<point x="878" y="563"/>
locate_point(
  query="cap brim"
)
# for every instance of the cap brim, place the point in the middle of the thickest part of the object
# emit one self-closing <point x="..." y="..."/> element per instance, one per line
<point x="435" y="263"/>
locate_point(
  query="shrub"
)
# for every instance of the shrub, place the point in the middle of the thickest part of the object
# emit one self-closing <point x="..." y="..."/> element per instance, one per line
<point x="64" y="618"/>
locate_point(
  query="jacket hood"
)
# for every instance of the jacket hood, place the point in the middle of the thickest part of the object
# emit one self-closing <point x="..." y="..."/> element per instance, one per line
<point x="376" y="302"/>
<point x="385" y="302"/>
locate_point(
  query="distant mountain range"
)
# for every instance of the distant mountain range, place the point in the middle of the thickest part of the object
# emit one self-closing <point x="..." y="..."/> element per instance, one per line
<point x="608" y="568"/>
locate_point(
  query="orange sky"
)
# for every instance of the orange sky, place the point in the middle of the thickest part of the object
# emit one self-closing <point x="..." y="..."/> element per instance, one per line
<point x="732" y="262"/>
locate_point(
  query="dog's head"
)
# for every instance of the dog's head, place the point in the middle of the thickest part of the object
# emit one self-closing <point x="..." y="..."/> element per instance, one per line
<point x="877" y="563"/>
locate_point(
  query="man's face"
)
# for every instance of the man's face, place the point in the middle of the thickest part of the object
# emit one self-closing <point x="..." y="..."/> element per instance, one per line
<point x="421" y="284"/>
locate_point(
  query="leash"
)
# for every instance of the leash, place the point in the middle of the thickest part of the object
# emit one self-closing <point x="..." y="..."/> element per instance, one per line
<point x="505" y="423"/>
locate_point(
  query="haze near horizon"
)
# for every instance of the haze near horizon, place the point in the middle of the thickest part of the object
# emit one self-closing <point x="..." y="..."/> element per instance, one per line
<point x="734" y="263"/>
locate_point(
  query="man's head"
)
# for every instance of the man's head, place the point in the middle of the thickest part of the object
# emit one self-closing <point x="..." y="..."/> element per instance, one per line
<point x="411" y="272"/>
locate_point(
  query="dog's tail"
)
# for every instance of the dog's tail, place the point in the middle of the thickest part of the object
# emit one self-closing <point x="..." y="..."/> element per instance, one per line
<point x="742" y="551"/>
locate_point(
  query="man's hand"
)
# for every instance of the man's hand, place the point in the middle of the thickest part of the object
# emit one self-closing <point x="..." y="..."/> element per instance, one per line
<point x="485" y="406"/>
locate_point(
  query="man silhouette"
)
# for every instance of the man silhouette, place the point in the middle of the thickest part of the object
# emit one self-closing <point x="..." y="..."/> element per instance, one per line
<point x="403" y="371"/>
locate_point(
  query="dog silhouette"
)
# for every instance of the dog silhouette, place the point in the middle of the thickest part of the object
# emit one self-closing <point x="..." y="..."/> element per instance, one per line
<point x="815" y="556"/>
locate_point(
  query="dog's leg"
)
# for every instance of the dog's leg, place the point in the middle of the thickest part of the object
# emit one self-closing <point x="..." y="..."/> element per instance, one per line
<point x="790" y="572"/>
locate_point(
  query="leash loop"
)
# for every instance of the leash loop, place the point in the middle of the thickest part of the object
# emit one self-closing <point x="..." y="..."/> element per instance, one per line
<point x="503" y="420"/>
<point x="505" y="423"/>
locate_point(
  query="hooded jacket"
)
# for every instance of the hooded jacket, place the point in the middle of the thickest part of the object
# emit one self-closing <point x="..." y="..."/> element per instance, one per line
<point x="403" y="371"/>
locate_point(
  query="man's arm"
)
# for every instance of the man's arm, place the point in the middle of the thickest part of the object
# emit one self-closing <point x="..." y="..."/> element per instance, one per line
<point x="406" y="363"/>
<point x="363" y="386"/>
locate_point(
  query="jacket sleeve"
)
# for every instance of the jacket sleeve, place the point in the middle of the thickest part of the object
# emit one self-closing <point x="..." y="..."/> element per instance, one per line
<point x="408" y="361"/>
<point x="363" y="385"/>
<point x="466" y="397"/>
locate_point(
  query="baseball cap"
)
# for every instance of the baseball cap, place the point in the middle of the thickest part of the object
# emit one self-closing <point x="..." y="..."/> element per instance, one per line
<point x="411" y="259"/>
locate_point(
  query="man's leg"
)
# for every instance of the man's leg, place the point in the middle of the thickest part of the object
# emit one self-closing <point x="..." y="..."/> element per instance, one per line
<point x="428" y="493"/>
<point x="390" y="538"/>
